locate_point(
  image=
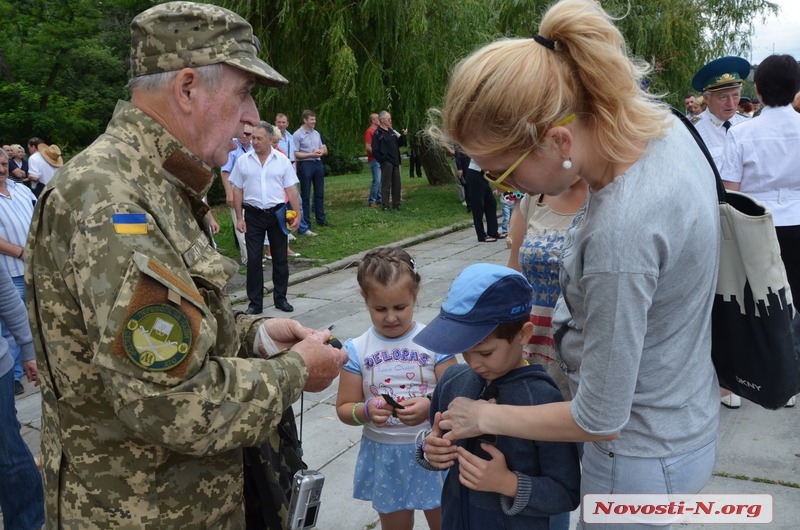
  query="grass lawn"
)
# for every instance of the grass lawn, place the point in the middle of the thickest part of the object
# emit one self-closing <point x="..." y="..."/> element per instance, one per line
<point x="358" y="228"/>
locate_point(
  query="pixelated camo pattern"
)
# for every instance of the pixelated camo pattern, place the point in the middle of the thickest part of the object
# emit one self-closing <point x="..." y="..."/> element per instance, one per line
<point x="124" y="447"/>
<point x="177" y="35"/>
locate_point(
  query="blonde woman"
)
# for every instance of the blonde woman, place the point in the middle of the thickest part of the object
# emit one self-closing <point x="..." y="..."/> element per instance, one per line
<point x="632" y="326"/>
<point x="17" y="165"/>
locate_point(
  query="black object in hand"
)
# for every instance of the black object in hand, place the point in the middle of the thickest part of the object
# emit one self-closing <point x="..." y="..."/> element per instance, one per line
<point x="333" y="341"/>
<point x="390" y="400"/>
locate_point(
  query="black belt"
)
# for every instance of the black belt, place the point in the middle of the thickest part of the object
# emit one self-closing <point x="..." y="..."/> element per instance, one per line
<point x="263" y="210"/>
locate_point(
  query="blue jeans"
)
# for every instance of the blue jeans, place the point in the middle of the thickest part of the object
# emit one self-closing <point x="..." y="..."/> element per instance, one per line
<point x="21" y="491"/>
<point x="508" y="209"/>
<point x="375" y="188"/>
<point x="605" y="473"/>
<point x="311" y="173"/>
<point x="13" y="348"/>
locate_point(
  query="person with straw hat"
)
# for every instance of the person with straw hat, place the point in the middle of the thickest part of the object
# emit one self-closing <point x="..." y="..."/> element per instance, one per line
<point x="42" y="164"/>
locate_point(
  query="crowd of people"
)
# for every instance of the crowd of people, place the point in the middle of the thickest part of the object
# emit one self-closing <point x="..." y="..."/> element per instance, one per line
<point x="145" y="367"/>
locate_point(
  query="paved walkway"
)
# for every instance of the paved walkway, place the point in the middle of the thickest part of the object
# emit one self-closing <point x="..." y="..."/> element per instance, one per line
<point x="759" y="449"/>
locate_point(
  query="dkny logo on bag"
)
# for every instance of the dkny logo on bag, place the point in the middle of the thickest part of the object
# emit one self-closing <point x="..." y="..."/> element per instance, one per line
<point x="747" y="383"/>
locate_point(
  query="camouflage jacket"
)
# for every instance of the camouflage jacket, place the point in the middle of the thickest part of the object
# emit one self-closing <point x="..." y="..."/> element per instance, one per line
<point x="148" y="396"/>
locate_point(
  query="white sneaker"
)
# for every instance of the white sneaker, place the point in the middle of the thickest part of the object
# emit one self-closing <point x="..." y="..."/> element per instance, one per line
<point x="732" y="401"/>
<point x="791" y="402"/>
<point x="309" y="233"/>
<point x="291" y="237"/>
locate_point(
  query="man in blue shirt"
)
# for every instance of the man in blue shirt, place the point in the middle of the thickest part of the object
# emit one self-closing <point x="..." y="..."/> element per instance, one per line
<point x="242" y="146"/>
<point x="287" y="140"/>
<point x="309" y="152"/>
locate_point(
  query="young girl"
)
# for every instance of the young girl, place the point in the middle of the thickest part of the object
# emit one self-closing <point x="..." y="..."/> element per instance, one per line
<point x="385" y="362"/>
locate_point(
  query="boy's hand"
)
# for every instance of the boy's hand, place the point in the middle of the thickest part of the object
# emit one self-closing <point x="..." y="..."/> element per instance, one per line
<point x="415" y="412"/>
<point x="440" y="453"/>
<point x="486" y="475"/>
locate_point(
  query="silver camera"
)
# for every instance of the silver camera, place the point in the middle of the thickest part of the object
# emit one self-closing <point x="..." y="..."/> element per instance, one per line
<point x="306" y="493"/>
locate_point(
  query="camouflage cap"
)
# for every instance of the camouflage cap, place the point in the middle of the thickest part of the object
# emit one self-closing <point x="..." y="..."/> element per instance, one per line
<point x="176" y="35"/>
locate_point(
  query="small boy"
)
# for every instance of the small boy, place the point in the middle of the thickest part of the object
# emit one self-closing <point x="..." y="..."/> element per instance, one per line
<point x="495" y="481"/>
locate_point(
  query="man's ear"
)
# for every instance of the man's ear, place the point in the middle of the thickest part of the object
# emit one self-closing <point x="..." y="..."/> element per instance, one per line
<point x="184" y="88"/>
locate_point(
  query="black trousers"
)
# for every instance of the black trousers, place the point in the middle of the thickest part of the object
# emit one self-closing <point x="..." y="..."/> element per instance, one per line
<point x="259" y="223"/>
<point x="414" y="165"/>
<point x="390" y="185"/>
<point x="482" y="203"/>
<point x="789" y="241"/>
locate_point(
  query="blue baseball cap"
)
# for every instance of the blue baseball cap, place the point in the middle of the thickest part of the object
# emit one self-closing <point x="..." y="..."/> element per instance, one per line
<point x="480" y="298"/>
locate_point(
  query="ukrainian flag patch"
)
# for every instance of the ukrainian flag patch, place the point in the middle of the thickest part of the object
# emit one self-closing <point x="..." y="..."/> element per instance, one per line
<point x="130" y="223"/>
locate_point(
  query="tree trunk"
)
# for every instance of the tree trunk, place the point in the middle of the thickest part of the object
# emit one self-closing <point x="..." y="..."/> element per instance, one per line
<point x="436" y="162"/>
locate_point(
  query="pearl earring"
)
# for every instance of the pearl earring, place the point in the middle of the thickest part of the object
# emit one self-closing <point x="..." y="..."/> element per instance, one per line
<point x="567" y="163"/>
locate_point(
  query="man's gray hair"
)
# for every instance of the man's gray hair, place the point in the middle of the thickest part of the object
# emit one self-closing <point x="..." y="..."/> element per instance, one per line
<point x="211" y="75"/>
<point x="270" y="130"/>
<point x="382" y="114"/>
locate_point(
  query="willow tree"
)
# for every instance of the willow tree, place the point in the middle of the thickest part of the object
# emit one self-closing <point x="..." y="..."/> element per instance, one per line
<point x="348" y="59"/>
<point x="675" y="36"/>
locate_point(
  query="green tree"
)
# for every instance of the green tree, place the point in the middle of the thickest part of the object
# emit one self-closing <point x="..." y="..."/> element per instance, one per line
<point x="63" y="64"/>
<point x="677" y="37"/>
<point x="347" y="59"/>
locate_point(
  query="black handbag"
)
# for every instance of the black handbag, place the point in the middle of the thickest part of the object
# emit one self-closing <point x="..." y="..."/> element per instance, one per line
<point x="755" y="330"/>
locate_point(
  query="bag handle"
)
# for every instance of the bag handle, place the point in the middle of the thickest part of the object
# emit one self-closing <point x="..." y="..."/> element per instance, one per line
<point x="721" y="193"/>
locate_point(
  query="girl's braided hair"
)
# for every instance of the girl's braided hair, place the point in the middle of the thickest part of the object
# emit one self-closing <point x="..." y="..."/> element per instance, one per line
<point x="385" y="266"/>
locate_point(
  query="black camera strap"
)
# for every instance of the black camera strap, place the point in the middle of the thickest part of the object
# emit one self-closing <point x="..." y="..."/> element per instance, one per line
<point x="300" y="433"/>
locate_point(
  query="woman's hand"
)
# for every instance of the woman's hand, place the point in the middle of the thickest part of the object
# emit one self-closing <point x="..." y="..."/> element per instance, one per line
<point x="462" y="418"/>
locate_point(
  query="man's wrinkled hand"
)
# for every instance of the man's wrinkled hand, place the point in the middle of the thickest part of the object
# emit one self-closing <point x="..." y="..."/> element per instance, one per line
<point x="322" y="360"/>
<point x="286" y="332"/>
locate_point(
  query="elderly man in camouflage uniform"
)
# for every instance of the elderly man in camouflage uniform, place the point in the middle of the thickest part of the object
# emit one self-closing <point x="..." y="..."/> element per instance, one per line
<point x="149" y="389"/>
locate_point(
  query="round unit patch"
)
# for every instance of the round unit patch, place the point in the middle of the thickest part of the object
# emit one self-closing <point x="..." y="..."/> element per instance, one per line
<point x="157" y="337"/>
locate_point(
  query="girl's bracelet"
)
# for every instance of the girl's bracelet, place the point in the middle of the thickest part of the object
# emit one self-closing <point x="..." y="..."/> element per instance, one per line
<point x="366" y="408"/>
<point x="355" y="418"/>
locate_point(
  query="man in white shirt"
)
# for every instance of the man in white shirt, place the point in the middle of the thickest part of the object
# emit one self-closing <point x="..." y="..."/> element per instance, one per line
<point x="720" y="81"/>
<point x="261" y="181"/>
<point x="242" y="143"/>
<point x="39" y="170"/>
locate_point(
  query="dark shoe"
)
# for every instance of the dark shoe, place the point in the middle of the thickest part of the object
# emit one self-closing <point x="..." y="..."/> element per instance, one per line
<point x="252" y="311"/>
<point x="283" y="305"/>
<point x="397" y="207"/>
<point x="386" y="209"/>
<point x="324" y="223"/>
<point x="18" y="388"/>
